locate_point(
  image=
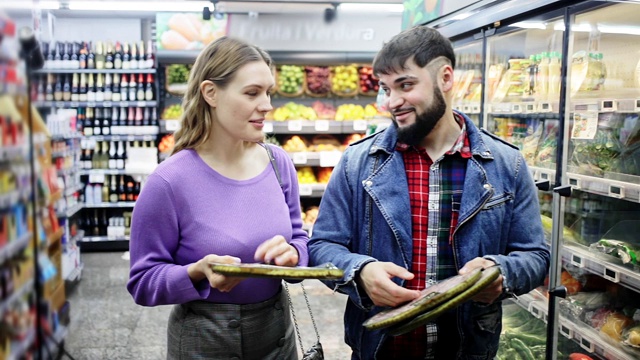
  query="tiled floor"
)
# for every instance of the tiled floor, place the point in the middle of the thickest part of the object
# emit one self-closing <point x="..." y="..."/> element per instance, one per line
<point x="107" y="324"/>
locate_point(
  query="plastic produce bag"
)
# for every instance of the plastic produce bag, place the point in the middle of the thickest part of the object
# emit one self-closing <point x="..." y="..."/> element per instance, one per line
<point x="597" y="155"/>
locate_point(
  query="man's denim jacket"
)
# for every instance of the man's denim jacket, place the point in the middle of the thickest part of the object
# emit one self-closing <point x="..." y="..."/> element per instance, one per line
<point x="365" y="216"/>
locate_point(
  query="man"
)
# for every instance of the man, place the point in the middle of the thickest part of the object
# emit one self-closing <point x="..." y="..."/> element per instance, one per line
<point x="426" y="199"/>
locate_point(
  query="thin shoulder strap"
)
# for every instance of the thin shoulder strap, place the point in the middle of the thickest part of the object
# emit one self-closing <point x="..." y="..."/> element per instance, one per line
<point x="272" y="159"/>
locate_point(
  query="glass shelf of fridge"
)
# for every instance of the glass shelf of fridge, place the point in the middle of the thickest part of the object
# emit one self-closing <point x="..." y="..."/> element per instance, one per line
<point x="604" y="102"/>
<point x="467" y="91"/>
<point x="523" y="72"/>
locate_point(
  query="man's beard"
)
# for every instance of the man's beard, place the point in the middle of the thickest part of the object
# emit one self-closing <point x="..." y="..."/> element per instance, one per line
<point x="414" y="134"/>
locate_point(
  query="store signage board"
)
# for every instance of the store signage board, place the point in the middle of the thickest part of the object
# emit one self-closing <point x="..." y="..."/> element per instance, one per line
<point x="187" y="31"/>
<point x="309" y="32"/>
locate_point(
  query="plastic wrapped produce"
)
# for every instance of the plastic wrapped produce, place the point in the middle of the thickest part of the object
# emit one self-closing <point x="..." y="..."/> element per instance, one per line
<point x="629" y="159"/>
<point x="595" y="153"/>
<point x="576" y="306"/>
<point x="546" y="155"/>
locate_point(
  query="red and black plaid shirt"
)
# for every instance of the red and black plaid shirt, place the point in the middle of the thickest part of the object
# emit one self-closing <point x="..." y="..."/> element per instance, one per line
<point x="435" y="190"/>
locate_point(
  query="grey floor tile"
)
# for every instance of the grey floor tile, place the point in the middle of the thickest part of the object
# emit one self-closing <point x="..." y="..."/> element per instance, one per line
<point x="107" y="324"/>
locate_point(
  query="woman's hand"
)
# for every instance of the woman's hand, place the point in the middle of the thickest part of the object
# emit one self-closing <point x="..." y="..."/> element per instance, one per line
<point x="276" y="250"/>
<point x="202" y="269"/>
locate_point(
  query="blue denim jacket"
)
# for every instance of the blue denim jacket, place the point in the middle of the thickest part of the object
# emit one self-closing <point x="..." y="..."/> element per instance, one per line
<point x="365" y="216"/>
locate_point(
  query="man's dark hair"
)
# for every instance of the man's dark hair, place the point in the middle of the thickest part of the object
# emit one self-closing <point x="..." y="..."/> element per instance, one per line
<point x="421" y="43"/>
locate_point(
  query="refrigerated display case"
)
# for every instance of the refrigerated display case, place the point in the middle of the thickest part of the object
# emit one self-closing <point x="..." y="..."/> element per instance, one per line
<point x="562" y="82"/>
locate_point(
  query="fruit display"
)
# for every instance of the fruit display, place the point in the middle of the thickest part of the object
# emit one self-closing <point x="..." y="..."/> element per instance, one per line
<point x="306" y="175"/>
<point x="318" y="81"/>
<point x="293" y="111"/>
<point x="172" y="112"/>
<point x="166" y="144"/>
<point x="177" y="76"/>
<point x="295" y="144"/>
<point x="325" y="143"/>
<point x="183" y="31"/>
<point x="368" y="82"/>
<point x="345" y="80"/>
<point x="352" y="138"/>
<point x="291" y="80"/>
<point x="324" y="111"/>
<point x="310" y="215"/>
<point x="324" y="174"/>
<point x="349" y="112"/>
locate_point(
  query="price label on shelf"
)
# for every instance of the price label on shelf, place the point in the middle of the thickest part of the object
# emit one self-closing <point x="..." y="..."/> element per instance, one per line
<point x="566" y="331"/>
<point x="305" y="190"/>
<point x="107" y="104"/>
<point x="637" y="105"/>
<point x="74" y="104"/>
<point x="587" y="343"/>
<point x="577" y="261"/>
<point x="609" y="106"/>
<point x="616" y="191"/>
<point x="575" y="183"/>
<point x="172" y="125"/>
<point x="268" y="127"/>
<point x="611" y="274"/>
<point x="295" y="125"/>
<point x="529" y="108"/>
<point x="124" y="103"/>
<point x="60" y="104"/>
<point x="91" y="104"/>
<point x="141" y="104"/>
<point x="516" y="108"/>
<point x="299" y="157"/>
<point x="329" y="158"/>
<point x="321" y="125"/>
<point x="545" y="107"/>
<point x="360" y="125"/>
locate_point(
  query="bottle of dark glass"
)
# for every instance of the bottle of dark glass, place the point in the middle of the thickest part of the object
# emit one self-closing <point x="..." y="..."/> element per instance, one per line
<point x="105" y="190"/>
<point x="121" y="155"/>
<point x="66" y="56"/>
<point x="91" y="90"/>
<point x="49" y="51"/>
<point x="108" y="59"/>
<point x="130" y="190"/>
<point x="122" y="194"/>
<point x="91" y="56"/>
<point x="108" y="94"/>
<point x="140" y="93"/>
<point x="57" y="89"/>
<point x="48" y="92"/>
<point x="132" y="86"/>
<point x="75" y="56"/>
<point x="126" y="57"/>
<point x="149" y="90"/>
<point x="117" y="56"/>
<point x="66" y="89"/>
<point x="112" y="155"/>
<point x="88" y="123"/>
<point x="99" y="88"/>
<point x="82" y="56"/>
<point x="57" y="57"/>
<point x="115" y="88"/>
<point x="96" y="224"/>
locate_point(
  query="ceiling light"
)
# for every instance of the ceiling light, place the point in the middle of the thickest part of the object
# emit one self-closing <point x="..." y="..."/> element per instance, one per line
<point x="187" y="6"/>
<point x="370" y="7"/>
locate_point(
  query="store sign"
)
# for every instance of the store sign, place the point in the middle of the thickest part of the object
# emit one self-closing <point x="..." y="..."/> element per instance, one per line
<point x="312" y="33"/>
<point x="187" y="31"/>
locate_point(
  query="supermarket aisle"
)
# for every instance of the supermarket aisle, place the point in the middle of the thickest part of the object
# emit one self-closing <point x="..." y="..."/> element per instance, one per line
<point x="107" y="324"/>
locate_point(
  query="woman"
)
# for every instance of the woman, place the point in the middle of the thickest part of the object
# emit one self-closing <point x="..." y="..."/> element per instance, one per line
<point x="217" y="199"/>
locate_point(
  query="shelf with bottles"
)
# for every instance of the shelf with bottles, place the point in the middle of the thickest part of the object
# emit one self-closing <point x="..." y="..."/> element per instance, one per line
<point x="99" y="55"/>
<point x="118" y="155"/>
<point x="110" y="191"/>
<point x="123" y="121"/>
<point x="94" y="104"/>
<point x="102" y="224"/>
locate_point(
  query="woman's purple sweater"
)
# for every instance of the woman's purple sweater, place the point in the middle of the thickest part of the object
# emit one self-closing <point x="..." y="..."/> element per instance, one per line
<point x="187" y="210"/>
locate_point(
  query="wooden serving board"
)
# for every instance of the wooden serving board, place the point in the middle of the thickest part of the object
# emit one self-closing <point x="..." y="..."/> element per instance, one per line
<point x="323" y="272"/>
<point x="429" y="298"/>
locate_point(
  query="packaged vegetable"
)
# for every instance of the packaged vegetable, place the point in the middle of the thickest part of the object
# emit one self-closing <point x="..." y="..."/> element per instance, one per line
<point x="546" y="155"/>
<point x="631" y="336"/>
<point x="627" y="253"/>
<point x="597" y="155"/>
<point x="614" y="325"/>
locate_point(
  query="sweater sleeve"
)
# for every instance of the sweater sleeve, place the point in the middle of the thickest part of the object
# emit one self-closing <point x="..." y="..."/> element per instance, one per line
<point x="154" y="277"/>
<point x="299" y="237"/>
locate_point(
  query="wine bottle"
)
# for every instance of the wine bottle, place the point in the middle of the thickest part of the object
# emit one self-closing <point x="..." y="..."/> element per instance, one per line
<point x="122" y="195"/>
<point x="120" y="155"/>
<point x="91" y="90"/>
<point x="108" y="58"/>
<point x="106" y="121"/>
<point x="99" y="56"/>
<point x="82" y="91"/>
<point x="138" y="120"/>
<point x="108" y="95"/>
<point x="91" y="56"/>
<point x="75" y="91"/>
<point x="97" y="121"/>
<point x="132" y="86"/>
<point x="105" y="190"/>
<point x="66" y="89"/>
<point x="115" y="88"/>
<point x="99" y="88"/>
<point x="88" y="122"/>
<point x="75" y="56"/>
<point x="113" y="191"/>
<point x="133" y="62"/>
<point x="57" y="89"/>
<point x="82" y="56"/>
<point x="150" y="57"/>
<point x="148" y="94"/>
<point x="117" y="57"/>
<point x="112" y="155"/>
<point x="140" y="93"/>
<point x="124" y="88"/>
<point x="48" y="92"/>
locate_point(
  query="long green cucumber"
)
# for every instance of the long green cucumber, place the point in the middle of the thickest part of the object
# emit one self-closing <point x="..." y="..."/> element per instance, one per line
<point x="429" y="298"/>
<point x="488" y="276"/>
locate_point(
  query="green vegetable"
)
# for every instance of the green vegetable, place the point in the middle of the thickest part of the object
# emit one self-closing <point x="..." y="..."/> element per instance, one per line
<point x="522" y="349"/>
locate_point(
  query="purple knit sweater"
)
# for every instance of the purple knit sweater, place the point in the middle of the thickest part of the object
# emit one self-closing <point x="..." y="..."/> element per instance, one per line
<point x="187" y="210"/>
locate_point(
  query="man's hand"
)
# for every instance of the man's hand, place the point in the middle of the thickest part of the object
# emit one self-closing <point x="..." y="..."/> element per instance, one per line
<point x="491" y="292"/>
<point x="375" y="278"/>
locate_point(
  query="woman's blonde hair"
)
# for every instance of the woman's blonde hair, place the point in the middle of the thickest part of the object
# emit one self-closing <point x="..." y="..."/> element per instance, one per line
<point x="218" y="62"/>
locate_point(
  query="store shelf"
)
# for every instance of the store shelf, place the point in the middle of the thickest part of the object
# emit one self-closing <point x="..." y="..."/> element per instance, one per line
<point x="629" y="191"/>
<point x="468" y="108"/>
<point x="316" y="126"/>
<point x="20" y="347"/>
<point x="69" y="191"/>
<point x="588" y="338"/>
<point x="279" y="57"/>
<point x="169" y="125"/>
<point x="70" y="211"/>
<point x="104" y="243"/>
<point x="14" y="247"/>
<point x="541" y="174"/>
<point x="628" y="105"/>
<point x="9" y="199"/>
<point x="321" y="158"/>
<point x="543" y="109"/>
<point x="66" y="153"/>
<point x="69" y="136"/>
<point x="106" y="205"/>
<point x="16" y="295"/>
<point x="581" y="257"/>
<point x="14" y="152"/>
<point x="94" y="104"/>
<point x="124" y="137"/>
<point x="116" y="172"/>
<point x="312" y="190"/>
<point x="95" y="71"/>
